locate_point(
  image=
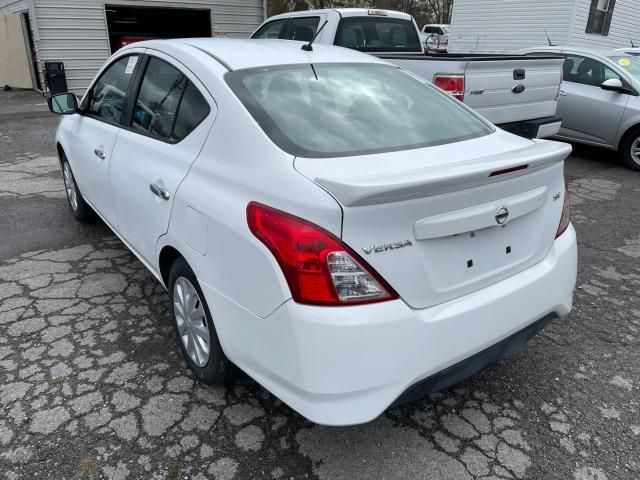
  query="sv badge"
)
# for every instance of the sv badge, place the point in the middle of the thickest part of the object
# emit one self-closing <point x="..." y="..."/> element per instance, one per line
<point x="386" y="246"/>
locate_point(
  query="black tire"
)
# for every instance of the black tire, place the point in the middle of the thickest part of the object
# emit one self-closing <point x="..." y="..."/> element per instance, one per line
<point x="218" y="370"/>
<point x="80" y="209"/>
<point x="631" y="150"/>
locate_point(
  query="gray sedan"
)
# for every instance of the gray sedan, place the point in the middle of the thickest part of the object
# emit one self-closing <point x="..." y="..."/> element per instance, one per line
<point x="599" y="100"/>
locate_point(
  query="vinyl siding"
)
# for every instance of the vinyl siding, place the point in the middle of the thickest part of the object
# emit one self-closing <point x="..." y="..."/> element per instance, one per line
<point x="75" y="31"/>
<point x="508" y="25"/>
<point x="625" y="24"/>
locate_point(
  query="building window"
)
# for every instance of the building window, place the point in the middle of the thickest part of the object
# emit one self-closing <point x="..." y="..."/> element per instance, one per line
<point x="600" y="17"/>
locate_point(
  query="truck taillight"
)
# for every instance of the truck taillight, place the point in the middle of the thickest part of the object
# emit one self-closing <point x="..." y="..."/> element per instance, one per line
<point x="565" y="219"/>
<point x="319" y="268"/>
<point x="452" y="84"/>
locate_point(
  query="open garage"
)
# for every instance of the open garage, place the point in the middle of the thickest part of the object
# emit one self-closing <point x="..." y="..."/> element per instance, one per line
<point x="130" y="24"/>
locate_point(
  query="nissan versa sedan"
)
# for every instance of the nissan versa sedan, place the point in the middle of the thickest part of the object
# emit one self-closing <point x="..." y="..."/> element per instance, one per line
<point x="312" y="221"/>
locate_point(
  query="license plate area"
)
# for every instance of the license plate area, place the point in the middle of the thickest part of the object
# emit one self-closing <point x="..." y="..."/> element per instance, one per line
<point x="481" y="256"/>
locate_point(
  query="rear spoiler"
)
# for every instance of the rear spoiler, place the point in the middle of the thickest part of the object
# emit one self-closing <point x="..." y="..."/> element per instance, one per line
<point x="371" y="190"/>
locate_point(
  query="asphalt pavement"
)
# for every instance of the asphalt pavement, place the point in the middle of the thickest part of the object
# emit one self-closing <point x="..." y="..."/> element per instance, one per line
<point x="92" y="384"/>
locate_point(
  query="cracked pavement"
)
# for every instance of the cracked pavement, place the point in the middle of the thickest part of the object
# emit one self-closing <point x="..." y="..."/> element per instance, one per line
<point x="92" y="383"/>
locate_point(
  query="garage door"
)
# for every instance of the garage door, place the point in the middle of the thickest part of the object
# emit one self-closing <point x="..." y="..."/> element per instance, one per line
<point x="131" y="24"/>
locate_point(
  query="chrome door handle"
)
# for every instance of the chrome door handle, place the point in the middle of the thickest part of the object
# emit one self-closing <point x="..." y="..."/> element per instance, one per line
<point x="160" y="192"/>
<point x="563" y="93"/>
<point x="100" y="154"/>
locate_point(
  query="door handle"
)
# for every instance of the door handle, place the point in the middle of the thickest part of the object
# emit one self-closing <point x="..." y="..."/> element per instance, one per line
<point x="160" y="192"/>
<point x="563" y="93"/>
<point x="100" y="154"/>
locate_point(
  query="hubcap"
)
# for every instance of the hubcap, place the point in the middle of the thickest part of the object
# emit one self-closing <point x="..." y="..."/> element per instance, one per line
<point x="635" y="151"/>
<point x="191" y="321"/>
<point x="70" y="186"/>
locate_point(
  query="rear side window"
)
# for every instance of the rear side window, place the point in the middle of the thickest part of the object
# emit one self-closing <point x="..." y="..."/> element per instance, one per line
<point x="303" y="28"/>
<point x="271" y="30"/>
<point x="108" y="98"/>
<point x="193" y="110"/>
<point x="168" y="106"/>
<point x="157" y="102"/>
<point x="378" y="34"/>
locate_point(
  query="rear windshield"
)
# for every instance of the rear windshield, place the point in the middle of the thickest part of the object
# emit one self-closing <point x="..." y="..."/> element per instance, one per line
<point x="378" y="34"/>
<point x="332" y="110"/>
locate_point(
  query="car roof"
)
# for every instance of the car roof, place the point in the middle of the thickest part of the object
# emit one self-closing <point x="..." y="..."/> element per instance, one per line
<point x="237" y="54"/>
<point x="344" y="12"/>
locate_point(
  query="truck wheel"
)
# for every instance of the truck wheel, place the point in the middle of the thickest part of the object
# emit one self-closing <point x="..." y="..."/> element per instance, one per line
<point x="631" y="150"/>
<point x="80" y="209"/>
<point x="194" y="328"/>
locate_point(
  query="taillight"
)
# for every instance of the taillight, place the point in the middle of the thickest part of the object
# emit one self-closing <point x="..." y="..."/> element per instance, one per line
<point x="565" y="219"/>
<point x="452" y="84"/>
<point x="318" y="267"/>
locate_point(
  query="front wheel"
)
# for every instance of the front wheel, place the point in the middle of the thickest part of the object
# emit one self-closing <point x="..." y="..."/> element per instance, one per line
<point x="194" y="328"/>
<point x="80" y="209"/>
<point x="631" y="150"/>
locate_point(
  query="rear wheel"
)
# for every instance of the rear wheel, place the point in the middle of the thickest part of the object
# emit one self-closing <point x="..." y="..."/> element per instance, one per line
<point x="80" y="209"/>
<point x="194" y="327"/>
<point x="631" y="150"/>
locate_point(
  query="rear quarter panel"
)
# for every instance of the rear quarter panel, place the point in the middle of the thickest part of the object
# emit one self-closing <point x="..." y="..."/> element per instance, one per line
<point x="238" y="165"/>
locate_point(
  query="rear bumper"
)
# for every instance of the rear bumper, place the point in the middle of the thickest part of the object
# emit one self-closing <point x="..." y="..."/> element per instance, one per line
<point x="538" y="128"/>
<point x="346" y="365"/>
<point x="474" y="364"/>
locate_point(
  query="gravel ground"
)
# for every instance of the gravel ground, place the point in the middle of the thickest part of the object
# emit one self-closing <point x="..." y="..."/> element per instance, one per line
<point x="92" y="384"/>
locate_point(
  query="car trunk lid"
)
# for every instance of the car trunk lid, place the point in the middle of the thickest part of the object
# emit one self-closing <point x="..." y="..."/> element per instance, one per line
<point x="437" y="229"/>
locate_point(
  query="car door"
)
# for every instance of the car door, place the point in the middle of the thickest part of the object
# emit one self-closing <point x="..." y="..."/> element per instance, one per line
<point x="588" y="112"/>
<point x="95" y="132"/>
<point x="169" y="123"/>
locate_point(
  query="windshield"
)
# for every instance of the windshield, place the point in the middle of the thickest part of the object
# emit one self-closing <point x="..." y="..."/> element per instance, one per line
<point x="378" y="34"/>
<point x="445" y="29"/>
<point x="332" y="110"/>
<point x="630" y="64"/>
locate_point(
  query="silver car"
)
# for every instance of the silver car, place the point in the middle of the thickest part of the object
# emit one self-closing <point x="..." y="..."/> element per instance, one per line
<point x="599" y="100"/>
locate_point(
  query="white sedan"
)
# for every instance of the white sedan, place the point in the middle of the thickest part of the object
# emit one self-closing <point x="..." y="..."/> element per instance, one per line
<point x="349" y="236"/>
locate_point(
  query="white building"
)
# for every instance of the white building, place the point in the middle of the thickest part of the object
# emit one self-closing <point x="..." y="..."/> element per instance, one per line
<point x="509" y="25"/>
<point x="83" y="33"/>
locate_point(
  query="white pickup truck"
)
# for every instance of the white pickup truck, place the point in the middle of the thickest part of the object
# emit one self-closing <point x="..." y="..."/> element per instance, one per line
<point x="516" y="92"/>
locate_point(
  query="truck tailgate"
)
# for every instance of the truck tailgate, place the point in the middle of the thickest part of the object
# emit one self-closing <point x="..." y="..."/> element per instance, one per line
<point x="513" y="90"/>
<point x="494" y="84"/>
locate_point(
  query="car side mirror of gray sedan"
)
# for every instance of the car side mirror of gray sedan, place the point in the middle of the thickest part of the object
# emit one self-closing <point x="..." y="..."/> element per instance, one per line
<point x="63" y="104"/>
<point x="613" y="84"/>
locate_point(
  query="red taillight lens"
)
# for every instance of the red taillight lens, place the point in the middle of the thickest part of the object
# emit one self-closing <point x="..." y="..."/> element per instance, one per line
<point x="565" y="219"/>
<point x="452" y="84"/>
<point x="319" y="268"/>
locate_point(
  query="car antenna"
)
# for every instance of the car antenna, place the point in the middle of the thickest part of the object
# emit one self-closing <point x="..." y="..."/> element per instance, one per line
<point x="548" y="39"/>
<point x="631" y="40"/>
<point x="307" y="47"/>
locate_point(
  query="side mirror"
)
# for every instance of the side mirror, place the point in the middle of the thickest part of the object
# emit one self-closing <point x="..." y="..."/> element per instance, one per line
<point x="613" y="85"/>
<point x="63" y="104"/>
